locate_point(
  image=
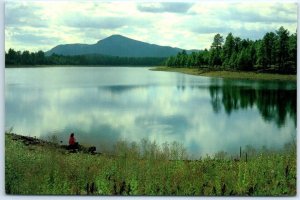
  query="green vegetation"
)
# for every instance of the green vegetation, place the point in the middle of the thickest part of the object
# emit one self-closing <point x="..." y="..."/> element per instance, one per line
<point x="229" y="74"/>
<point x="17" y="58"/>
<point x="274" y="53"/>
<point x="147" y="169"/>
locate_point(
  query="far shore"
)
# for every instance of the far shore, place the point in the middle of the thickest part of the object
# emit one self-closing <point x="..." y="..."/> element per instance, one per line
<point x="51" y="66"/>
<point x="230" y="74"/>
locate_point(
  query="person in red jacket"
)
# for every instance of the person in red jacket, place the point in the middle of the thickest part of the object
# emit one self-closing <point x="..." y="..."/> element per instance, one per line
<point x="72" y="142"/>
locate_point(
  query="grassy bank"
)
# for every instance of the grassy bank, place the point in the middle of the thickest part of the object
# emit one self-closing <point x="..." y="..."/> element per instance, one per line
<point x="46" y="169"/>
<point x="229" y="74"/>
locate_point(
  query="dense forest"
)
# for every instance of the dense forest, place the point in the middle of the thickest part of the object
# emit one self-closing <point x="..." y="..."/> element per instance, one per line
<point x="275" y="52"/>
<point x="17" y="58"/>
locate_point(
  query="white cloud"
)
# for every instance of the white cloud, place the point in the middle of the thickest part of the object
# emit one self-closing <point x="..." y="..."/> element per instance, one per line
<point x="179" y="7"/>
<point x="184" y="25"/>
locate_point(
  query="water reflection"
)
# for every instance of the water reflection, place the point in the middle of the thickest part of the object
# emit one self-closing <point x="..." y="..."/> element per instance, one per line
<point x="273" y="104"/>
<point x="206" y="115"/>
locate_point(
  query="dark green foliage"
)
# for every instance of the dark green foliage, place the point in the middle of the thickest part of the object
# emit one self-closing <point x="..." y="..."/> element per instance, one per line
<point x="104" y="60"/>
<point x="293" y="50"/>
<point x="244" y="61"/>
<point x="215" y="57"/>
<point x="282" y="46"/>
<point x="275" y="52"/>
<point x="194" y="60"/>
<point x="269" y="45"/>
<point x="215" y="51"/>
<point x="228" y="50"/>
<point x="13" y="58"/>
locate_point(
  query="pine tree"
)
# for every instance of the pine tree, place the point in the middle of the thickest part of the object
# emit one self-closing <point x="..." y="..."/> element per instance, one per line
<point x="215" y="51"/>
<point x="282" y="47"/>
<point x="228" y="50"/>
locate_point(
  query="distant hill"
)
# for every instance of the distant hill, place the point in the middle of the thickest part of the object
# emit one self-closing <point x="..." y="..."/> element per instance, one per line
<point x="117" y="45"/>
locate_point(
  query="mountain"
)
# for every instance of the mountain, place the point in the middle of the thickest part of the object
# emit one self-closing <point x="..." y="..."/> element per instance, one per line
<point x="116" y="45"/>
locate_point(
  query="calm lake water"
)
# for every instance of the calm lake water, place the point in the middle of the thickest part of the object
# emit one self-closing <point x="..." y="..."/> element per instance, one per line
<point x="106" y="104"/>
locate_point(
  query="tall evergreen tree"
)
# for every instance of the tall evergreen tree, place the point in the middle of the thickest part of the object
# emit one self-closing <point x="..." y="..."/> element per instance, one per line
<point x="261" y="54"/>
<point x="40" y="58"/>
<point x="215" y="52"/>
<point x="269" y="49"/>
<point x="244" y="61"/>
<point x="25" y="58"/>
<point x="183" y="59"/>
<point x="228" y="49"/>
<point x="293" y="50"/>
<point x="11" y="57"/>
<point x="282" y="47"/>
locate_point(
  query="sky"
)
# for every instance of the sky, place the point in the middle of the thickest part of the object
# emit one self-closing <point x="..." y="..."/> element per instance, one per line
<point x="41" y="25"/>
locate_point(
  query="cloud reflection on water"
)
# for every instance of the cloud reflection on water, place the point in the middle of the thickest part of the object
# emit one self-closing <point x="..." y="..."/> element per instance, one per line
<point x="102" y="114"/>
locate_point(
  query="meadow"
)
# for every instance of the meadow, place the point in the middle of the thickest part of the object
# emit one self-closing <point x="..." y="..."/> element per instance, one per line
<point x="147" y="168"/>
<point x="246" y="75"/>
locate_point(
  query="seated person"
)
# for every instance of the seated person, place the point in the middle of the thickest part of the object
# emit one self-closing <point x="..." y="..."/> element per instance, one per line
<point x="72" y="142"/>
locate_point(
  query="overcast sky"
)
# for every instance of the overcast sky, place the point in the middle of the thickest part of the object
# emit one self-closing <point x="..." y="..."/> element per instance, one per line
<point x="42" y="25"/>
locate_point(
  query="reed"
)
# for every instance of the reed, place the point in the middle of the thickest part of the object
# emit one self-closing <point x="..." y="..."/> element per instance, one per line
<point x="146" y="168"/>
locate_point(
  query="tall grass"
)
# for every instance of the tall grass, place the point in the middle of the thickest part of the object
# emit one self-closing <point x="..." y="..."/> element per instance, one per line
<point x="228" y="74"/>
<point x="145" y="168"/>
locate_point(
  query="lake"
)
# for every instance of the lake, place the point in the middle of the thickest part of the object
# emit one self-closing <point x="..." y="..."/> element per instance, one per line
<point x="102" y="105"/>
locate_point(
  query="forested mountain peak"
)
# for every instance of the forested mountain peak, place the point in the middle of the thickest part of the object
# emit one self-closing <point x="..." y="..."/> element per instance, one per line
<point x="116" y="45"/>
<point x="116" y="37"/>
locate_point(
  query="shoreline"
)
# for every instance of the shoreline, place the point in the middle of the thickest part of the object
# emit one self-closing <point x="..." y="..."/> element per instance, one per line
<point x="37" y="142"/>
<point x="36" y="167"/>
<point x="58" y="66"/>
<point x="230" y="74"/>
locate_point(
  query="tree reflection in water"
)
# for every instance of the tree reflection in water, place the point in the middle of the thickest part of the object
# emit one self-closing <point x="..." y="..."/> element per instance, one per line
<point x="274" y="103"/>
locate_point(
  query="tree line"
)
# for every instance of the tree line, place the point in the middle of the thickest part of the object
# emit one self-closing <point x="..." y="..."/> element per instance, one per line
<point x="275" y="52"/>
<point x="16" y="58"/>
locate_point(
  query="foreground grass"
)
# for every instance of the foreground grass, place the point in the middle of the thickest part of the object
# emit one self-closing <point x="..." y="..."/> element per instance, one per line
<point x="48" y="170"/>
<point x="229" y="74"/>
